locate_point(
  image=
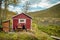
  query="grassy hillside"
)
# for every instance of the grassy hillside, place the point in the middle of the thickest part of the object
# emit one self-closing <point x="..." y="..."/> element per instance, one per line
<point x="51" y="12"/>
<point x="48" y="20"/>
<point x="48" y="16"/>
<point x="39" y="21"/>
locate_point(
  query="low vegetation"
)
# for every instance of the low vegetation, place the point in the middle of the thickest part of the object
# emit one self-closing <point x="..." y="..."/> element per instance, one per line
<point x="34" y="34"/>
<point x="40" y="31"/>
<point x="48" y="20"/>
<point x="51" y="30"/>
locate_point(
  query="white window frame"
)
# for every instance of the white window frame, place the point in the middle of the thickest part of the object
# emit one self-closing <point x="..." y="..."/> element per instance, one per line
<point x="22" y="22"/>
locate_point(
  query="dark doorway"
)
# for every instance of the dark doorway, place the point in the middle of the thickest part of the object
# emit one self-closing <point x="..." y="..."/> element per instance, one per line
<point x="1" y="29"/>
<point x="24" y="27"/>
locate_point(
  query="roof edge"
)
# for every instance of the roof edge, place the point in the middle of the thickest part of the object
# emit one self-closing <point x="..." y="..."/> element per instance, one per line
<point x="24" y="14"/>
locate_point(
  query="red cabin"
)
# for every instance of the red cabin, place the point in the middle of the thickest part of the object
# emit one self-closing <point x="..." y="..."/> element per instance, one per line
<point x="22" y="21"/>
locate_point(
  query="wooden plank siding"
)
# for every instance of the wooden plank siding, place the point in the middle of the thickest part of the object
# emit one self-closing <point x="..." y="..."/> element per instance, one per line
<point x="6" y="26"/>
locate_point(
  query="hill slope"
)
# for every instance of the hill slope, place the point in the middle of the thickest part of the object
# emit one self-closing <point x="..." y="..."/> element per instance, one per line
<point x="49" y="16"/>
<point x="51" y="12"/>
<point x="48" y="20"/>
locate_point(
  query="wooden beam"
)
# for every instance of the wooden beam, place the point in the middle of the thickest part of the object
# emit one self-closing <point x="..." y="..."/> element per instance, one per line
<point x="57" y="38"/>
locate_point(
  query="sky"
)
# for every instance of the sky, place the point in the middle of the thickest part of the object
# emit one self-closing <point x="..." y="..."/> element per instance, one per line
<point x="34" y="5"/>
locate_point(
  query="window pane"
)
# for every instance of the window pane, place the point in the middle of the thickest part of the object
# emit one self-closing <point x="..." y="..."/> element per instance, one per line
<point x="21" y="20"/>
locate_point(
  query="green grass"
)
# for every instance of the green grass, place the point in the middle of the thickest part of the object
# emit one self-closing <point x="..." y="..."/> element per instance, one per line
<point x="16" y="36"/>
<point x="34" y="34"/>
<point x="51" y="30"/>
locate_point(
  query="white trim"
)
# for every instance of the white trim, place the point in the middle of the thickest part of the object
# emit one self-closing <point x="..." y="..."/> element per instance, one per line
<point x="55" y="37"/>
<point x="31" y="24"/>
<point x="22" y="13"/>
<point x="21" y="18"/>
<point x="12" y="24"/>
<point x="21" y="22"/>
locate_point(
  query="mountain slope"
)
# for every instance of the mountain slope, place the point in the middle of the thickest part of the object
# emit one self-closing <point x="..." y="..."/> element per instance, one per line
<point x="51" y="12"/>
<point x="49" y="16"/>
<point x="48" y="20"/>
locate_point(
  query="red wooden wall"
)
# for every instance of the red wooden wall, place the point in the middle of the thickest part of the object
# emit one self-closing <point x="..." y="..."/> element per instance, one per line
<point x="22" y="16"/>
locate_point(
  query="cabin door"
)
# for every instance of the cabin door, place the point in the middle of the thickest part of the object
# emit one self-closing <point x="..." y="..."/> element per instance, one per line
<point x="23" y="27"/>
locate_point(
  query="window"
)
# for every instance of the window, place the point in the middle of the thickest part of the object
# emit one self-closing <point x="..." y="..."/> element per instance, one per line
<point x="22" y="20"/>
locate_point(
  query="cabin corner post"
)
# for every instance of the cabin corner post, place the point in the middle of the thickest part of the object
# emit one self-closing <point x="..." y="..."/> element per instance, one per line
<point x="12" y="25"/>
<point x="31" y="24"/>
